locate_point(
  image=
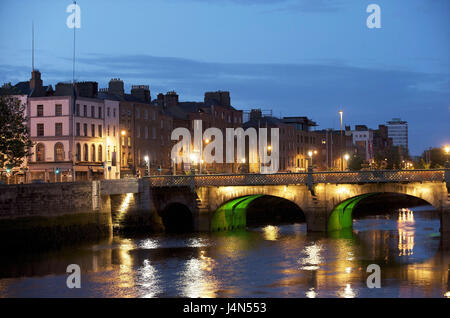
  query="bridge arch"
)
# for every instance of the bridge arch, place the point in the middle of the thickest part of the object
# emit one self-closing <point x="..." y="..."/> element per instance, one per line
<point x="177" y="218"/>
<point x="258" y="209"/>
<point x="342" y="214"/>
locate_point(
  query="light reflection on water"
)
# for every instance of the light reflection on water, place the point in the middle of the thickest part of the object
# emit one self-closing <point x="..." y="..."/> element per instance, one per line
<point x="270" y="261"/>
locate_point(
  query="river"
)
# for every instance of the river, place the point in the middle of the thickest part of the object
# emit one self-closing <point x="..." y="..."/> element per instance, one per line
<point x="267" y="261"/>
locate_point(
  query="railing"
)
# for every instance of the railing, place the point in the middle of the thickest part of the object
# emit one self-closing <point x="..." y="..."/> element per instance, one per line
<point x="372" y="176"/>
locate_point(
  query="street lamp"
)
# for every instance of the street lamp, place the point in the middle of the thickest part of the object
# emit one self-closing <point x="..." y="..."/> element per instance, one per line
<point x="147" y="162"/>
<point x="310" y="154"/>
<point x="447" y="151"/>
<point x="346" y="157"/>
<point x="123" y="132"/>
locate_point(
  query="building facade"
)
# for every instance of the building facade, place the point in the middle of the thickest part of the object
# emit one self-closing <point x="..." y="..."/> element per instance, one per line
<point x="398" y="131"/>
<point x="70" y="140"/>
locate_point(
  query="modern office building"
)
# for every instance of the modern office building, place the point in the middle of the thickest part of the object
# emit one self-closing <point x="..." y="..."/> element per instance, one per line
<point x="398" y="131"/>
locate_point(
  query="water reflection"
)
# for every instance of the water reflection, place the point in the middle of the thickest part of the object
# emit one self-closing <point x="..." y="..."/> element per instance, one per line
<point x="406" y="231"/>
<point x="271" y="261"/>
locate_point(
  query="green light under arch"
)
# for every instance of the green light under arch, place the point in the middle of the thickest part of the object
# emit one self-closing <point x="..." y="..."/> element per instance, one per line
<point x="232" y="215"/>
<point x="341" y="216"/>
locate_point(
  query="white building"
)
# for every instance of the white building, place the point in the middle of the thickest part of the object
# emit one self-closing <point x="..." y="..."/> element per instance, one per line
<point x="398" y="131"/>
<point x="363" y="137"/>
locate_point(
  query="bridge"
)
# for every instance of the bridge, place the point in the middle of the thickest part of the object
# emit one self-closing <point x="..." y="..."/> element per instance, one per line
<point x="219" y="202"/>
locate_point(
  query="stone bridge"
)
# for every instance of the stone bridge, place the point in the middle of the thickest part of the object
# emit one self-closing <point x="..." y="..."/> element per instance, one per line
<point x="194" y="199"/>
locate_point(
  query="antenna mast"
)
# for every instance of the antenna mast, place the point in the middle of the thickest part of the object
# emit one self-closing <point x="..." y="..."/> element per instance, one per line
<point x="74" y="28"/>
<point x="32" y="45"/>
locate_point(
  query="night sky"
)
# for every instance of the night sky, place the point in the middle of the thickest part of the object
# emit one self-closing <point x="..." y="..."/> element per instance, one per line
<point x="304" y="57"/>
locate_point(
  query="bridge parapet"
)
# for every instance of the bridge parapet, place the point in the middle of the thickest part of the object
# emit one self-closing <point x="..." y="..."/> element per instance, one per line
<point x="120" y="186"/>
<point x="347" y="177"/>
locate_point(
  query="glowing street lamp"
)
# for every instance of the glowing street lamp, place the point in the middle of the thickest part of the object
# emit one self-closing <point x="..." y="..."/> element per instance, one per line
<point x="447" y="151"/>
<point x="123" y="132"/>
<point x="346" y="157"/>
<point x="341" y="113"/>
<point x="147" y="162"/>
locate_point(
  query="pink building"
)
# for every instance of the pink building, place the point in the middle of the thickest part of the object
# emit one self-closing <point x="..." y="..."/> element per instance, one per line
<point x="75" y="138"/>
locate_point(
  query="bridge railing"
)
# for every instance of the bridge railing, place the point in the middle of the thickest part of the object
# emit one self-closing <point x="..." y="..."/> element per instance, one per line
<point x="372" y="176"/>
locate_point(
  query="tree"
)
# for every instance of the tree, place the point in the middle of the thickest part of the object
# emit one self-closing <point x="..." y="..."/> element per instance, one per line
<point x="433" y="158"/>
<point x="355" y="163"/>
<point x="15" y="143"/>
<point x="389" y="158"/>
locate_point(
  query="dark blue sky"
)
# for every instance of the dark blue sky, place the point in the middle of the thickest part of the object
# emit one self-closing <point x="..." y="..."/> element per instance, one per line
<point x="296" y="57"/>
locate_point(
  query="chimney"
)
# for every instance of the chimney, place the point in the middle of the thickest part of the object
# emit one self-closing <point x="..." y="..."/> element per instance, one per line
<point x="116" y="87"/>
<point x="255" y="114"/>
<point x="219" y="98"/>
<point x="36" y="82"/>
<point x="141" y="92"/>
<point x="171" y="99"/>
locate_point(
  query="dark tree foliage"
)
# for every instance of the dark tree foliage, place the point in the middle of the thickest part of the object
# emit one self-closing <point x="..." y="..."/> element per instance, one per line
<point x="433" y="158"/>
<point x="355" y="163"/>
<point x="15" y="143"/>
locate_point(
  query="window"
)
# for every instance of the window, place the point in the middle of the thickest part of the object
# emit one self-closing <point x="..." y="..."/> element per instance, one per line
<point x="85" y="130"/>
<point x="108" y="112"/>
<point x="146" y="132"/>
<point x="153" y="115"/>
<point x="40" y="129"/>
<point x="114" y="113"/>
<point x="108" y="156"/>
<point x="93" y="152"/>
<point x="162" y="124"/>
<point x="77" y="110"/>
<point x="138" y="113"/>
<point x="100" y="130"/>
<point x="84" y="110"/>
<point x="59" y="152"/>
<point x="114" y="131"/>
<point x="58" y="129"/>
<point x="86" y="152"/>
<point x="40" y="152"/>
<point x="138" y="132"/>
<point x="107" y="132"/>
<point x="123" y="141"/>
<point x="78" y="129"/>
<point x="100" y="153"/>
<point x="153" y="133"/>
<point x="93" y="130"/>
<point x="145" y="114"/>
<point x="92" y="111"/>
<point x="99" y="112"/>
<point x="129" y="141"/>
<point x="58" y="110"/>
<point x="78" y="152"/>
<point x="40" y="111"/>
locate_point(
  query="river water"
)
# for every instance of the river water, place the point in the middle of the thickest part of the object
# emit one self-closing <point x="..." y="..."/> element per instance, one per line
<point x="268" y="261"/>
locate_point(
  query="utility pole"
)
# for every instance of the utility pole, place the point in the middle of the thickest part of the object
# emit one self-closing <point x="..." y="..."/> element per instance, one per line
<point x="342" y="150"/>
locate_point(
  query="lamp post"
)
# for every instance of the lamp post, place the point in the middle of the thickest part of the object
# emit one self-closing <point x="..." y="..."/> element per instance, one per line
<point x="346" y="157"/>
<point x="147" y="162"/>
<point x="447" y="152"/>
<point x="341" y="113"/>
<point x="310" y="154"/>
<point x="201" y="154"/>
